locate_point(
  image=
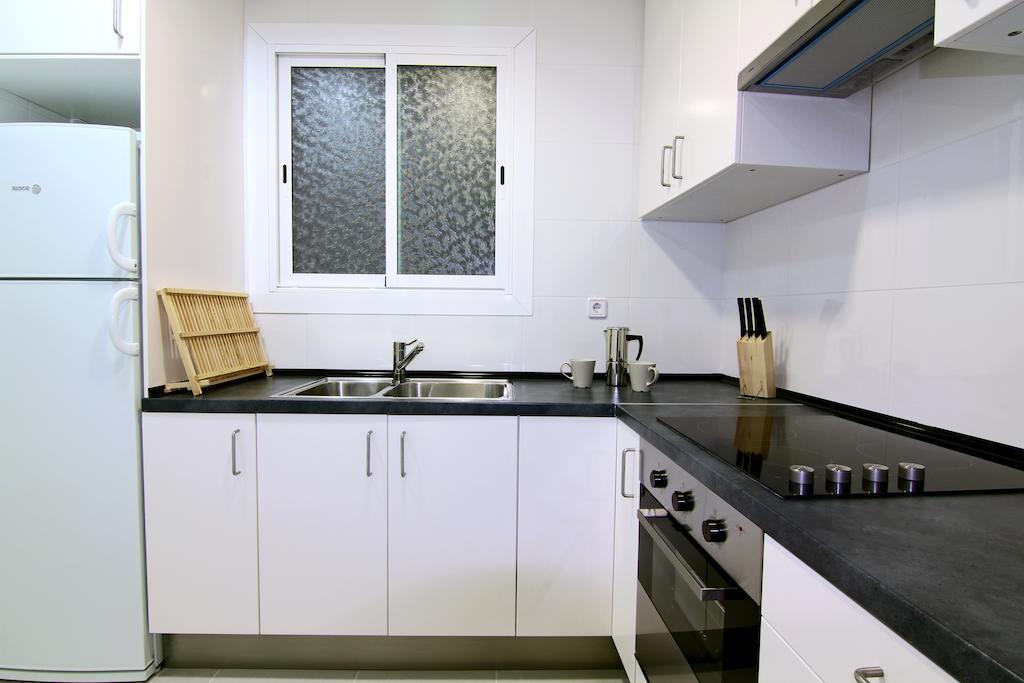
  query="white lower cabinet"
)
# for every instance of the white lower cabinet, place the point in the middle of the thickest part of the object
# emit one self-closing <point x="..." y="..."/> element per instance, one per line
<point x="566" y="526"/>
<point x="778" y="662"/>
<point x="200" y="503"/>
<point x="828" y="631"/>
<point x="323" y="524"/>
<point x="452" y="525"/>
<point x="627" y="502"/>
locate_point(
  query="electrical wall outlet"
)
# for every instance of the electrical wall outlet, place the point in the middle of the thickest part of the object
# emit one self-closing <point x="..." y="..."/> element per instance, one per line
<point x="597" y="308"/>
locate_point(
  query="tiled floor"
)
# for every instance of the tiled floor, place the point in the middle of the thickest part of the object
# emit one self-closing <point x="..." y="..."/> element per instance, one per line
<point x="280" y="676"/>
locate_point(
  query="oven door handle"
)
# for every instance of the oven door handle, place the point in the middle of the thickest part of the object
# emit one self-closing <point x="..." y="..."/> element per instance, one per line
<point x="706" y="593"/>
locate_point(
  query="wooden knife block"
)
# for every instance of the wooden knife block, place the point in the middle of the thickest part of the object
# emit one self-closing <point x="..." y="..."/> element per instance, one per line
<point x="757" y="367"/>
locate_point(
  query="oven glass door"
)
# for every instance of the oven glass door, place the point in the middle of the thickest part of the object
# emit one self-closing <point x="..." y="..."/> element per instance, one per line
<point x="694" y="624"/>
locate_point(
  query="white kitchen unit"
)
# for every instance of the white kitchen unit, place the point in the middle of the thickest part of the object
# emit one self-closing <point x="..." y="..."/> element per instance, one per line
<point x="566" y="526"/>
<point x="72" y="567"/>
<point x="323" y="524"/>
<point x="733" y="153"/>
<point x="200" y="502"/>
<point x="828" y="631"/>
<point x="111" y="27"/>
<point x="985" y="25"/>
<point x="627" y="502"/>
<point x="763" y="21"/>
<point x="778" y="662"/>
<point x="451" y="525"/>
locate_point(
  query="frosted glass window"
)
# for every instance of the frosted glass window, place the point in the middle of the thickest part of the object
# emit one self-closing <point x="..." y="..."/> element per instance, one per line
<point x="338" y="160"/>
<point x="447" y="126"/>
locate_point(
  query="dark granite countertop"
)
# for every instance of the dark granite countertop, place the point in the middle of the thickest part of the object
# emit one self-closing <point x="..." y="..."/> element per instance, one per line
<point x="943" y="572"/>
<point x="531" y="396"/>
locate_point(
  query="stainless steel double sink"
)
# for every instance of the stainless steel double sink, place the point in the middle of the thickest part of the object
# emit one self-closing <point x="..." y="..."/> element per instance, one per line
<point x="419" y="388"/>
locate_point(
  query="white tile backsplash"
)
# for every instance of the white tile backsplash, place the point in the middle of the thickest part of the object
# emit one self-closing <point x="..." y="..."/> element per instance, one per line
<point x="587" y="104"/>
<point x="879" y="290"/>
<point x="677" y="260"/>
<point x="584" y="181"/>
<point x="581" y="258"/>
<point x="559" y="329"/>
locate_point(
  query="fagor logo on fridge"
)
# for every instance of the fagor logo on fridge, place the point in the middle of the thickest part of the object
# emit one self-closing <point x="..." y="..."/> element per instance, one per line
<point x="34" y="189"/>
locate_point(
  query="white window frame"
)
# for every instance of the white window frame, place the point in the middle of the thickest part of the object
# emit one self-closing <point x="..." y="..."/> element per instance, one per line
<point x="273" y="290"/>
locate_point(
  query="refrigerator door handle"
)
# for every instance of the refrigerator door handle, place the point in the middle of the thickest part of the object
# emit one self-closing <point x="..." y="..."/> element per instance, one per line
<point x="113" y="319"/>
<point x="115" y="215"/>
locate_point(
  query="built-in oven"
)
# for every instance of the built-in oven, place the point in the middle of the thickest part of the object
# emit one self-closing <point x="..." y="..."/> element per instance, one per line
<point x="696" y="620"/>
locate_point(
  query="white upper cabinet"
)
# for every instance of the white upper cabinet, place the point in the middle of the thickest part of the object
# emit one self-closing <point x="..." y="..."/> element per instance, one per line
<point x="985" y="25"/>
<point x="659" y="110"/>
<point x="86" y="27"/>
<point x="724" y="154"/>
<point x="200" y="501"/>
<point x="566" y="526"/>
<point x="452" y="525"/>
<point x="323" y="524"/>
<point x="763" y="21"/>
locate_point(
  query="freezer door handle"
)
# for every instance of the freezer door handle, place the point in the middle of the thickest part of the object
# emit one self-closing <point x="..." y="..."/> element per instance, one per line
<point x="114" y="318"/>
<point x="124" y="209"/>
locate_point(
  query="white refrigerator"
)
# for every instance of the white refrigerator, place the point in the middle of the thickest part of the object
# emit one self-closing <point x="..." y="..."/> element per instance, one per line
<point x="72" y="570"/>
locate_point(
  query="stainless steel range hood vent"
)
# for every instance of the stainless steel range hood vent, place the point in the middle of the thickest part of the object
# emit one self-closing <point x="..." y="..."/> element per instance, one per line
<point x="841" y="46"/>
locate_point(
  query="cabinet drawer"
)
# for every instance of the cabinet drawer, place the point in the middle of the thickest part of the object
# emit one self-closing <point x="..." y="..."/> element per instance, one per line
<point x="778" y="661"/>
<point x="830" y="632"/>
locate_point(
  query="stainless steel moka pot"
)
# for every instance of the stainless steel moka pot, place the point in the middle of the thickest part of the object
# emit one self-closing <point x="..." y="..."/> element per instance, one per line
<point x="617" y="347"/>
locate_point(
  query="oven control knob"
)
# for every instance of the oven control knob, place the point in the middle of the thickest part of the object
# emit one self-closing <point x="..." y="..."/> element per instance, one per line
<point x="659" y="479"/>
<point x="682" y="501"/>
<point x="714" y="530"/>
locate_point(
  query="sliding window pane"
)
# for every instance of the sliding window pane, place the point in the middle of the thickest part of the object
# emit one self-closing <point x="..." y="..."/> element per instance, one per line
<point x="447" y="125"/>
<point x="338" y="211"/>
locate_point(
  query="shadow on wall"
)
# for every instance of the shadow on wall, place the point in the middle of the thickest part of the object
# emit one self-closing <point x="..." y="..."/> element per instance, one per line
<point x="699" y="260"/>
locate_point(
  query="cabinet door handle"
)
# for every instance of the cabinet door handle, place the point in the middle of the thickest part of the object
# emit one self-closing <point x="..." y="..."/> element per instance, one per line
<point x="234" y="452"/>
<point x="664" y="183"/>
<point x="401" y="454"/>
<point x="369" y="434"/>
<point x="674" y="165"/>
<point x="865" y="674"/>
<point x="117" y="19"/>
<point x="622" y="476"/>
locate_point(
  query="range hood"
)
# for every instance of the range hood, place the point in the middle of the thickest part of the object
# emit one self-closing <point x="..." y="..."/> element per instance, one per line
<point x="841" y="46"/>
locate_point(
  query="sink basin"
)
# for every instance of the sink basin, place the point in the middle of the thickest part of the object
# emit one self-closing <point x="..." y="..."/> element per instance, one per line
<point x="340" y="387"/>
<point x="467" y="389"/>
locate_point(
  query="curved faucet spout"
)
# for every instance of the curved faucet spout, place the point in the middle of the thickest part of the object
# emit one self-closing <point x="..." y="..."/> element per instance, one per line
<point x="401" y="358"/>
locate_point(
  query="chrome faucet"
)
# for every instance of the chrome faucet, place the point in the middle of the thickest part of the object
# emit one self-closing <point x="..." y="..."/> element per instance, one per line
<point x="401" y="360"/>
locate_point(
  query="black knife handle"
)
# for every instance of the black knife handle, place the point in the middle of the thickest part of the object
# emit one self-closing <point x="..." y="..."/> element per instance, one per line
<point x="743" y="318"/>
<point x="760" y="329"/>
<point x="749" y="306"/>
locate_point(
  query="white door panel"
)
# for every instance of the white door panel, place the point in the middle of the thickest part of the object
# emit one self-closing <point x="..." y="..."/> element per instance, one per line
<point x="71" y="577"/>
<point x="58" y="185"/>
<point x="323" y="524"/>
<point x="70" y="27"/>
<point x="627" y="502"/>
<point x="452" y="525"/>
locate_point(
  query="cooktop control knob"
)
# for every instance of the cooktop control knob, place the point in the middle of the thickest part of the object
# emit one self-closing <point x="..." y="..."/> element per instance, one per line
<point x="837" y="474"/>
<point x="911" y="471"/>
<point x="714" y="530"/>
<point x="802" y="475"/>
<point x="659" y="479"/>
<point x="875" y="472"/>
<point x="682" y="501"/>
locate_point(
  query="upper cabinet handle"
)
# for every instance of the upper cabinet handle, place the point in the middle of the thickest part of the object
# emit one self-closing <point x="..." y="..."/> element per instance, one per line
<point x="622" y="476"/>
<point x="675" y="145"/>
<point x="234" y="452"/>
<point x="661" y="172"/>
<point x="117" y="19"/>
<point x="865" y="674"/>
<point x="369" y="434"/>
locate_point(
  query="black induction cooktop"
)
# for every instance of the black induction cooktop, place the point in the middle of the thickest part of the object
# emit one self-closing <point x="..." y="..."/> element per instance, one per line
<point x="828" y="456"/>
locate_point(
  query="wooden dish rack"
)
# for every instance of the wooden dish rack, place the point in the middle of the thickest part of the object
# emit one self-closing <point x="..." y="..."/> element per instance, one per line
<point x="216" y="335"/>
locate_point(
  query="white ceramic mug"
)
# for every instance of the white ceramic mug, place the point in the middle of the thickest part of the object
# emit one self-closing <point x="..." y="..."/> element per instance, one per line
<point x="642" y="375"/>
<point x="581" y="372"/>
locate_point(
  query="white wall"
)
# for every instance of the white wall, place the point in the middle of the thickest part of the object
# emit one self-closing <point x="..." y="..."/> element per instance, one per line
<point x="664" y="280"/>
<point x="14" y="109"/>
<point x="191" y="160"/>
<point x="902" y="290"/>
